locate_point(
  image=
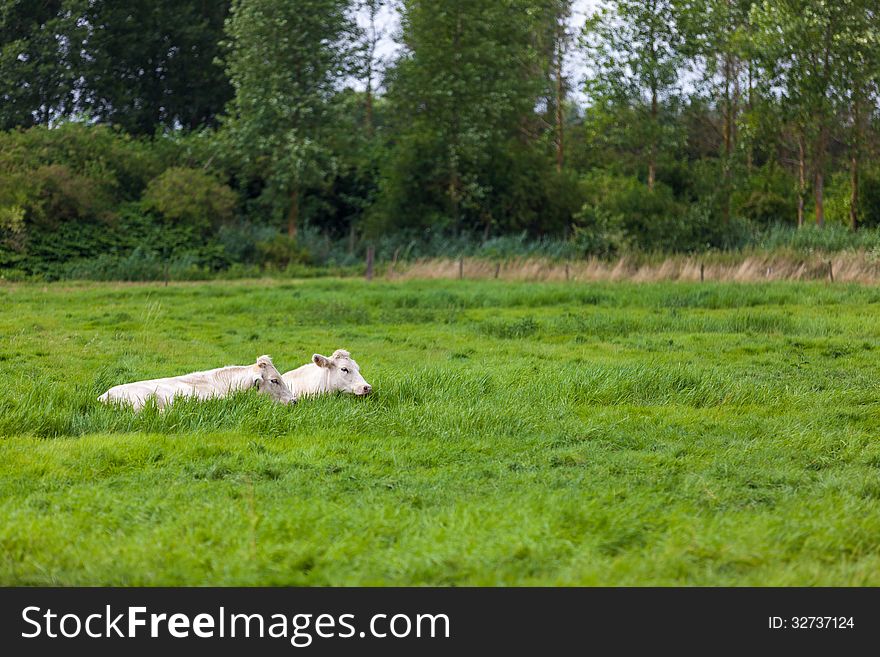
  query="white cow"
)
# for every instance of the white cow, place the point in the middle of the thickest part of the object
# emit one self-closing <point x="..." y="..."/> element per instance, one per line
<point x="212" y="383"/>
<point x="323" y="375"/>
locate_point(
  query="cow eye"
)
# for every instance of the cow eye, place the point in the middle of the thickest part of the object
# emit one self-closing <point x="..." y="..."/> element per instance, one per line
<point x="345" y="369"/>
<point x="276" y="381"/>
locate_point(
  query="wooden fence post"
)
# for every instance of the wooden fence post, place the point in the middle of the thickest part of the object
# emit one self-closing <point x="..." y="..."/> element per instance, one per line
<point x="566" y="271"/>
<point x="830" y="271"/>
<point x="497" y="269"/>
<point x="702" y="270"/>
<point x="370" y="254"/>
<point x="460" y="267"/>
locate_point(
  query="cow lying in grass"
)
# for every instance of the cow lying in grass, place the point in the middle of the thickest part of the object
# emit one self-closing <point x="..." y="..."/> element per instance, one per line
<point x="339" y="373"/>
<point x="204" y="385"/>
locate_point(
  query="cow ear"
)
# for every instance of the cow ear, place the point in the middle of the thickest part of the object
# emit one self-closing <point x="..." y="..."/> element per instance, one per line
<point x="257" y="381"/>
<point x="320" y="361"/>
<point x="263" y="361"/>
<point x="341" y="353"/>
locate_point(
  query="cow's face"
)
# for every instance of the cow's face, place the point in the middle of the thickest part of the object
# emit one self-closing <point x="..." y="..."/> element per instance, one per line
<point x="268" y="381"/>
<point x="343" y="374"/>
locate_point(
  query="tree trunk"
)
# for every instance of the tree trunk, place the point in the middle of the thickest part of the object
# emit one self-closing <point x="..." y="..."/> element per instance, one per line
<point x="854" y="192"/>
<point x="749" y="146"/>
<point x="822" y="142"/>
<point x="652" y="152"/>
<point x="455" y="193"/>
<point x="293" y="213"/>
<point x="737" y="95"/>
<point x="819" y="189"/>
<point x="371" y="54"/>
<point x="560" y="97"/>
<point x="854" y="167"/>
<point x="727" y="128"/>
<point x="368" y="105"/>
<point x="652" y="149"/>
<point x="454" y="173"/>
<point x="802" y="180"/>
<point x="727" y="132"/>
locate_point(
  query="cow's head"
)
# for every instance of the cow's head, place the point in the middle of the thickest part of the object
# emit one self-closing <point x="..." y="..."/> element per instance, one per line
<point x="343" y="374"/>
<point x="269" y="382"/>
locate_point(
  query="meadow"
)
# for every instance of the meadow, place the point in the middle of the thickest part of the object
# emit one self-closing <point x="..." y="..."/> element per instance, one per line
<point x="518" y="434"/>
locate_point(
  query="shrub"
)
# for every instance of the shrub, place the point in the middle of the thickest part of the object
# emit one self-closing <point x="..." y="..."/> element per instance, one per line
<point x="838" y="198"/>
<point x="281" y="251"/>
<point x="650" y="219"/>
<point x="766" y="207"/>
<point x="765" y="197"/>
<point x="96" y="152"/>
<point x="599" y="233"/>
<point x="191" y="197"/>
<point x="869" y="198"/>
<point x="12" y="233"/>
<point x="61" y="194"/>
<point x="240" y="240"/>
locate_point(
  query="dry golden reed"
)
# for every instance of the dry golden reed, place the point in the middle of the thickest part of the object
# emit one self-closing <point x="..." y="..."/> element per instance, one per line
<point x="847" y="267"/>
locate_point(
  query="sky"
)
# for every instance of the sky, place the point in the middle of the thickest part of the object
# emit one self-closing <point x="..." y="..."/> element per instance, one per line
<point x="388" y="23"/>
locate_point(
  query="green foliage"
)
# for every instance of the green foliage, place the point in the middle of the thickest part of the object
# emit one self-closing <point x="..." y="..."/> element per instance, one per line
<point x="765" y="207"/>
<point x="598" y="232"/>
<point x="635" y="54"/>
<point x="636" y="50"/>
<point x="190" y="196"/>
<point x="460" y="93"/>
<point x="647" y="217"/>
<point x="109" y="157"/>
<point x="132" y="246"/>
<point x="37" y="78"/>
<point x="284" y="59"/>
<point x="839" y="199"/>
<point x="281" y="251"/>
<point x="152" y="65"/>
<point x="449" y="148"/>
<point x="66" y="187"/>
<point x="869" y="198"/>
<point x="12" y="227"/>
<point x="141" y="66"/>
<point x="765" y="197"/>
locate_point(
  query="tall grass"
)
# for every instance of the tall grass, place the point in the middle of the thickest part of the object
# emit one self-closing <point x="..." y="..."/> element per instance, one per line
<point x="519" y="433"/>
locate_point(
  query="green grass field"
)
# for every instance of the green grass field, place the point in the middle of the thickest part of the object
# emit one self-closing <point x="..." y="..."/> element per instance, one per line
<point x="555" y="434"/>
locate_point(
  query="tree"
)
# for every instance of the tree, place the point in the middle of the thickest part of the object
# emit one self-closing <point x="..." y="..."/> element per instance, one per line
<point x="152" y="64"/>
<point x="859" y="46"/>
<point x="462" y="91"/>
<point x="372" y="34"/>
<point x="555" y="44"/>
<point x="138" y="65"/>
<point x="634" y="55"/>
<point x="716" y="39"/>
<point x="798" y="42"/>
<point x="37" y="62"/>
<point x="285" y="59"/>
